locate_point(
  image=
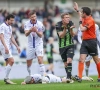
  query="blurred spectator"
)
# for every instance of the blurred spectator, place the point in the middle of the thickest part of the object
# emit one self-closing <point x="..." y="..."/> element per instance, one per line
<point x="15" y="35"/>
<point x="21" y="14"/>
<point x="49" y="18"/>
<point x="52" y="29"/>
<point x="44" y="13"/>
<point x="23" y="53"/>
<point x="49" y="49"/>
<point x="57" y="11"/>
<point x="17" y="18"/>
<point x="15" y="25"/>
<point x="1" y="17"/>
<point x="27" y="12"/>
<point x="14" y="49"/>
<point x="96" y="13"/>
<point x="47" y="29"/>
<point x="5" y="13"/>
<point x="21" y="29"/>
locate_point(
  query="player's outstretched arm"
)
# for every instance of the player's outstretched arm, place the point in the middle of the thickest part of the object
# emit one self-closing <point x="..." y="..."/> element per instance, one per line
<point x="23" y="83"/>
<point x="77" y="8"/>
<point x="14" y="42"/>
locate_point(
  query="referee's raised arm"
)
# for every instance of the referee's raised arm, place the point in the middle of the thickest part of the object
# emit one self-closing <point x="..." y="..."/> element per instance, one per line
<point x="89" y="41"/>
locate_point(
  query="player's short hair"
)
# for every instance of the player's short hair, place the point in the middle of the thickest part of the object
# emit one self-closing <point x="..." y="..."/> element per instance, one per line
<point x="28" y="79"/>
<point x="63" y="14"/>
<point x="32" y="12"/>
<point x="86" y="10"/>
<point x="9" y="16"/>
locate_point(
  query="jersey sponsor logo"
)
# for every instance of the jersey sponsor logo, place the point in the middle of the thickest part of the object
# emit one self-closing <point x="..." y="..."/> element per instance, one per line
<point x="66" y="30"/>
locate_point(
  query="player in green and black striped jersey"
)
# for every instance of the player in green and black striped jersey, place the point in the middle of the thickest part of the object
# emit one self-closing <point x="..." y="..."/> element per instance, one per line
<point x="49" y="49"/>
<point x="67" y="38"/>
<point x="65" y="34"/>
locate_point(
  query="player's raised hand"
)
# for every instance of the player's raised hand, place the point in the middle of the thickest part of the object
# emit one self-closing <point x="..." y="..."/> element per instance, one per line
<point x="65" y="26"/>
<point x="76" y="6"/>
<point x="23" y="83"/>
<point x="72" y="27"/>
<point x="34" y="29"/>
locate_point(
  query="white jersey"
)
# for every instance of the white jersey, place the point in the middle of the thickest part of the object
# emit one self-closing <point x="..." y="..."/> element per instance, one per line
<point x="49" y="78"/>
<point x="36" y="77"/>
<point x="6" y="30"/>
<point x="33" y="38"/>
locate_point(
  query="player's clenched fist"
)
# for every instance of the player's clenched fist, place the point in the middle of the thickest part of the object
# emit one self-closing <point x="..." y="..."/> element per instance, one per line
<point x="34" y="29"/>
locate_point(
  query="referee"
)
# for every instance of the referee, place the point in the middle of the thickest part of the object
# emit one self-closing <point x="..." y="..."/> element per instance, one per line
<point x="89" y="43"/>
<point x="65" y="34"/>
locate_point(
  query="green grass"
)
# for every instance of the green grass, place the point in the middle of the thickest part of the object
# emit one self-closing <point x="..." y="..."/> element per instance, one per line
<point x="85" y="85"/>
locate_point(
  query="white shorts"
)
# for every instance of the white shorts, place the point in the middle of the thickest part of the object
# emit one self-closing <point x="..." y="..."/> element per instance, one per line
<point x="5" y="56"/>
<point x="32" y="53"/>
<point x="53" y="79"/>
<point x="98" y="51"/>
<point x="88" y="58"/>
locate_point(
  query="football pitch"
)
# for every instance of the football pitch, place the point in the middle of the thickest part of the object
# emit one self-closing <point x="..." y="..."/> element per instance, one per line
<point x="85" y="85"/>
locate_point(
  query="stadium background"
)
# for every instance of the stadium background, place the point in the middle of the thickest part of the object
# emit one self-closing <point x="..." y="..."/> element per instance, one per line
<point x="48" y="11"/>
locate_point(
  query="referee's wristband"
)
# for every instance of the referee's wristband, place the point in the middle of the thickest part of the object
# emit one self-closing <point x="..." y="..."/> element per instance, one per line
<point x="80" y="22"/>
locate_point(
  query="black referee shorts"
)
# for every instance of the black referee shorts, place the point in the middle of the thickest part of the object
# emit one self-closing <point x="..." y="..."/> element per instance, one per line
<point x="67" y="52"/>
<point x="89" y="47"/>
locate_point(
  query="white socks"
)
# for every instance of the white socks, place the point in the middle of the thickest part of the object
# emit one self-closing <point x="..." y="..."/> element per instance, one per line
<point x="7" y="71"/>
<point x="42" y="69"/>
<point x="87" y="71"/>
<point x="29" y="70"/>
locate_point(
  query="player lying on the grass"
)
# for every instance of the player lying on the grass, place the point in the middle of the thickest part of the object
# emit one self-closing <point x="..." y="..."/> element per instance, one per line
<point x="49" y="78"/>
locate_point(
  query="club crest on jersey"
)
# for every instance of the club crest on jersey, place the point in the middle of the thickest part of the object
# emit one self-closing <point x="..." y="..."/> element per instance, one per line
<point x="66" y="30"/>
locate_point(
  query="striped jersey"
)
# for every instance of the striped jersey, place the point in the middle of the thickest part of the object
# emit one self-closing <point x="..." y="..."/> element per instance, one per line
<point x="67" y="40"/>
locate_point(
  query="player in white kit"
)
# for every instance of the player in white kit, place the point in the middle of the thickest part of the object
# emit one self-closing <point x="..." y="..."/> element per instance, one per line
<point x="34" y="31"/>
<point x="88" y="58"/>
<point x="6" y="38"/>
<point x="49" y="78"/>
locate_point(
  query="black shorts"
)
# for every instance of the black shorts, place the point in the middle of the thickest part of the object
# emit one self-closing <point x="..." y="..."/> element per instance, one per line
<point x="50" y="60"/>
<point x="89" y="47"/>
<point x="67" y="52"/>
